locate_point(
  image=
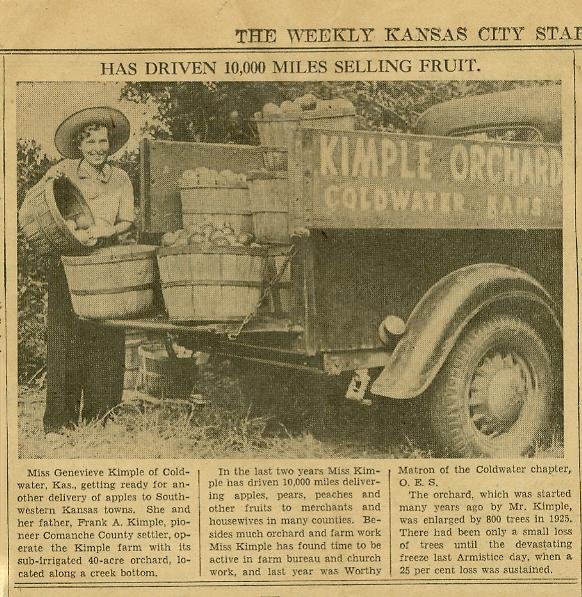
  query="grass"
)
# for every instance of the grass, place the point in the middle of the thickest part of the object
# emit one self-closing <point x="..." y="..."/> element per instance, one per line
<point x="280" y="424"/>
<point x="251" y="414"/>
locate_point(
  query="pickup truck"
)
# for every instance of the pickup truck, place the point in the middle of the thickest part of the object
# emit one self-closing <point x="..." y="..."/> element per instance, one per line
<point x="426" y="264"/>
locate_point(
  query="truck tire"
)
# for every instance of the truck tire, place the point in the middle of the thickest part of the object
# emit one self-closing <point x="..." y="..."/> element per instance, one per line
<point x="494" y="396"/>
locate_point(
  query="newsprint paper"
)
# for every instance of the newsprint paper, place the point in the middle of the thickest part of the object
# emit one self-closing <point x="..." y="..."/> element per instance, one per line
<point x="291" y="298"/>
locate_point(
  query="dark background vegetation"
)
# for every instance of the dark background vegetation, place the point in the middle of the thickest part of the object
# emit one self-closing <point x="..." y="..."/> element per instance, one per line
<point x="222" y="113"/>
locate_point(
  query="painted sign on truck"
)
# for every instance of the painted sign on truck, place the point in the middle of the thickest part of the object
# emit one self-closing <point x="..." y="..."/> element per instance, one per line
<point x="384" y="180"/>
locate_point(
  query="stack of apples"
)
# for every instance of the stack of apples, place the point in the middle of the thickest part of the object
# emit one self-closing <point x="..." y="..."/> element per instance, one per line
<point x="209" y="235"/>
<point x="304" y="103"/>
<point x="206" y="177"/>
<point x="87" y="231"/>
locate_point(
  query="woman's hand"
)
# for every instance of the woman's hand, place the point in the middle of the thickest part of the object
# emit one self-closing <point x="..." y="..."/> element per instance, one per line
<point x="84" y="237"/>
<point x="101" y="229"/>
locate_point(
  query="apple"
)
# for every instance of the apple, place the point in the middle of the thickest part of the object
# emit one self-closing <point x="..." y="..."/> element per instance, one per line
<point x="194" y="229"/>
<point x="168" y="239"/>
<point x="307" y="102"/>
<point x="244" y="239"/>
<point x="271" y="108"/>
<point x="288" y="106"/>
<point x="197" y="239"/>
<point x="83" y="221"/>
<point x="189" y="176"/>
<point x="207" y="229"/>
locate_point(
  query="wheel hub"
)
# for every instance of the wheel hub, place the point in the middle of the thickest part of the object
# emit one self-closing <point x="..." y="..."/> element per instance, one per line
<point x="498" y="391"/>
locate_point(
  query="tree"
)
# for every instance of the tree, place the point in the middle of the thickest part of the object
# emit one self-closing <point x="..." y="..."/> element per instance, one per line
<point x="223" y="112"/>
<point x="31" y="164"/>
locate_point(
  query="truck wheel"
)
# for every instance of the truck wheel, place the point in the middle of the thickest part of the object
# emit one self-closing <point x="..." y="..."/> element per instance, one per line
<point x="494" y="395"/>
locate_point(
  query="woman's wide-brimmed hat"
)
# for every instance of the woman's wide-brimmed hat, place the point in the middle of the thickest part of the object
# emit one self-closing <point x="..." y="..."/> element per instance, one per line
<point x="66" y="137"/>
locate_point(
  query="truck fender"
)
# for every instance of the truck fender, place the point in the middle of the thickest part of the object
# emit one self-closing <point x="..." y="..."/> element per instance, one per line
<point x="443" y="313"/>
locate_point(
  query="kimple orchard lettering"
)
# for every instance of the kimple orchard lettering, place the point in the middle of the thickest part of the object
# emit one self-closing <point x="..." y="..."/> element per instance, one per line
<point x="381" y="172"/>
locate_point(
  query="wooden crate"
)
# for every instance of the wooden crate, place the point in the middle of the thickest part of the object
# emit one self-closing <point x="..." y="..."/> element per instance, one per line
<point x="277" y="129"/>
<point x="112" y="283"/>
<point x="211" y="283"/>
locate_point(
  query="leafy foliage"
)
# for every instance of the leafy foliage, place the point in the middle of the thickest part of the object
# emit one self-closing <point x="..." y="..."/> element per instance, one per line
<point x="223" y="112"/>
<point x="32" y="163"/>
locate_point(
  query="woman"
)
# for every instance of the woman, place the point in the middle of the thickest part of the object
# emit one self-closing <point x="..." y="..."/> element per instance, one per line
<point x="85" y="361"/>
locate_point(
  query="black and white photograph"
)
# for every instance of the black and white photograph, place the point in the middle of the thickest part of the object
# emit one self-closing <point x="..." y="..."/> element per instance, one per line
<point x="366" y="269"/>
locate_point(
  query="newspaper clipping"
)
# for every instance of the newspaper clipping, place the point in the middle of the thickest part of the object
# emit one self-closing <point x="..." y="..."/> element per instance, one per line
<point x="290" y="299"/>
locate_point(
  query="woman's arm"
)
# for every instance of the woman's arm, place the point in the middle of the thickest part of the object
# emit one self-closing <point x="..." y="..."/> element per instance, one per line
<point x="104" y="230"/>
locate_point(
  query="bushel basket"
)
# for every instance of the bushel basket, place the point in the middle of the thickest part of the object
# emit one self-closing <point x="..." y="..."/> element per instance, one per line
<point x="163" y="376"/>
<point x="133" y="340"/>
<point x="43" y="213"/>
<point x="112" y="283"/>
<point x="214" y="202"/>
<point x="202" y="283"/>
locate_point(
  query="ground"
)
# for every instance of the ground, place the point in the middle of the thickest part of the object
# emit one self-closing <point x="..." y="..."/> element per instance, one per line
<point x="232" y="425"/>
<point x="279" y="420"/>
